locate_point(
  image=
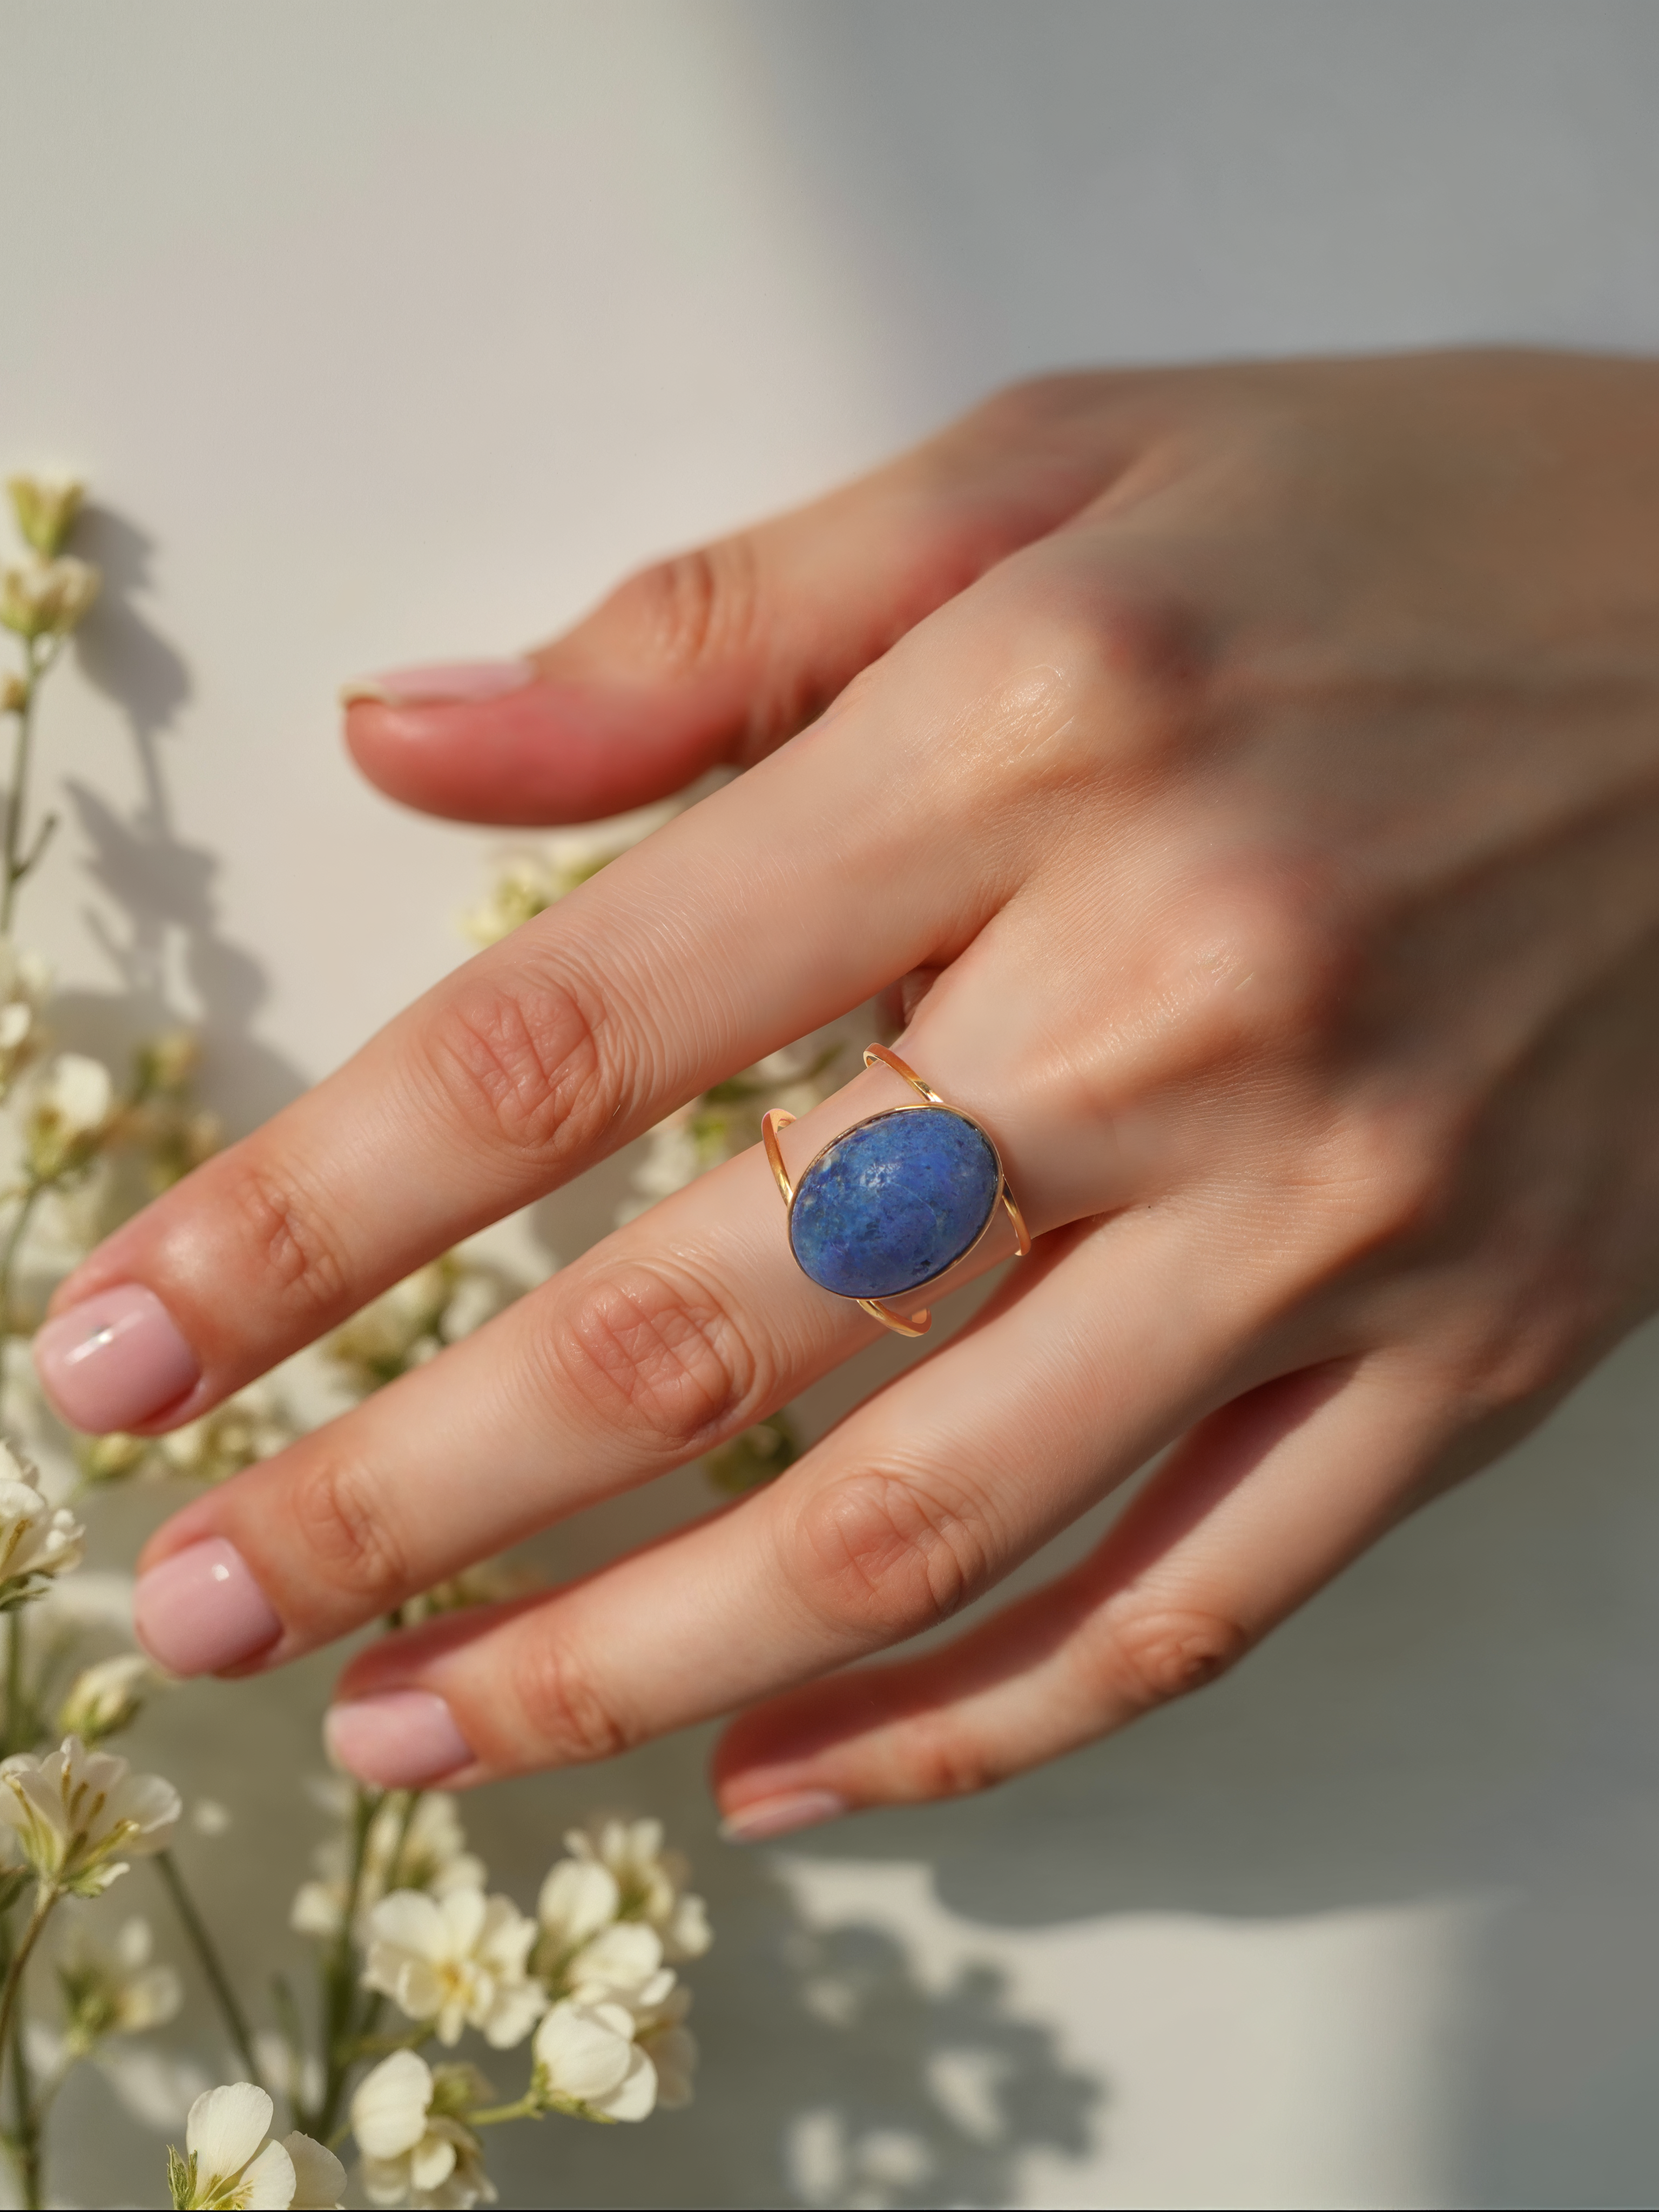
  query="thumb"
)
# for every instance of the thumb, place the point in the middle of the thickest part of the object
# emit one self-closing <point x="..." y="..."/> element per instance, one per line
<point x="717" y="655"/>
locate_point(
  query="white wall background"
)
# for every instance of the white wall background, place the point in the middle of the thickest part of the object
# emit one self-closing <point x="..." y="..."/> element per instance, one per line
<point x="389" y="330"/>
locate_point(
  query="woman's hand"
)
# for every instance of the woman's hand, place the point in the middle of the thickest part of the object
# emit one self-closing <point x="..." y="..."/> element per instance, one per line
<point x="1262" y="765"/>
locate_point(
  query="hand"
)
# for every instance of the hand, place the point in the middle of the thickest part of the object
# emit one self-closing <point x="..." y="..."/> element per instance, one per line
<point x="1262" y="766"/>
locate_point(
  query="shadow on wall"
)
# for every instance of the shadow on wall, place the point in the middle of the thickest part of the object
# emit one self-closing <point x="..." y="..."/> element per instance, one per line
<point x="161" y="886"/>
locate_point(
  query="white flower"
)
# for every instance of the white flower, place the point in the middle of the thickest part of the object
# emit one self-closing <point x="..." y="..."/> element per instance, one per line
<point x="650" y="1882"/>
<point x="526" y="883"/>
<point x="73" y="1809"/>
<point x="425" y="1851"/>
<point x="106" y="1696"/>
<point x="411" y="1322"/>
<point x="114" y="1990"/>
<point x="457" y="1960"/>
<point x="228" y="2162"/>
<point x="623" y="1961"/>
<point x="37" y="1541"/>
<point x="47" y="598"/>
<point x="25" y="980"/>
<point x="588" y="2063"/>
<point x="661" y="2033"/>
<point x="578" y="1899"/>
<point x="68" y="1108"/>
<point x="416" y="2147"/>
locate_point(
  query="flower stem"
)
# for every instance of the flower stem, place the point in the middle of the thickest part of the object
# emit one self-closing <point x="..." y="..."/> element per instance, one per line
<point x="211" y="1965"/>
<point x="45" y="1897"/>
<point x="528" y="2107"/>
<point x="17" y="1731"/>
<point x="24" y="2135"/>
<point x="340" y="2028"/>
<point x="17" y="797"/>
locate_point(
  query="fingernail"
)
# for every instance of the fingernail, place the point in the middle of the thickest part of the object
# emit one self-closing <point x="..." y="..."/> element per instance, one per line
<point x="441" y="683"/>
<point x="202" y="1611"/>
<point x="114" y="1360"/>
<point x="402" y="1740"/>
<point x="779" y="1816"/>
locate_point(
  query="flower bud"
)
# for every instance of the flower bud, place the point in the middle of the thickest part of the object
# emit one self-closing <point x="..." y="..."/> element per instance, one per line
<point x="45" y="507"/>
<point x="67" y="1115"/>
<point x="106" y="1698"/>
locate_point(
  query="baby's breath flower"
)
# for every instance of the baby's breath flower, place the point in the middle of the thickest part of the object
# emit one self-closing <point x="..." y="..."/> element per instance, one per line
<point x="229" y="2162"/>
<point x="650" y="1882"/>
<point x="37" y="1541"/>
<point x="624" y="1962"/>
<point x="47" y="598"/>
<point x="425" y="1849"/>
<point x="73" y="1809"/>
<point x="68" y="1109"/>
<point x="113" y="1990"/>
<point x="45" y="508"/>
<point x="759" y="1454"/>
<point x="114" y="1457"/>
<point x="660" y="2032"/>
<point x="526" y="883"/>
<point x="409" y="2120"/>
<point x="251" y="1426"/>
<point x="106" y="1696"/>
<point x="25" y="980"/>
<point x="491" y="1582"/>
<point x="588" y="2063"/>
<point x="167" y="1062"/>
<point x="457" y="1960"/>
<point x="411" y="1322"/>
<point x="14" y="693"/>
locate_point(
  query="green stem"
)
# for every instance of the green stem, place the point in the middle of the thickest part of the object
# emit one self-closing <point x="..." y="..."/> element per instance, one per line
<point x="45" y="1897"/>
<point x="340" y="2026"/>
<point x="8" y="1251"/>
<point x="17" y="797"/>
<point x="528" y="2107"/>
<point x="27" y="2129"/>
<point x="211" y="1965"/>
<point x="18" y="1732"/>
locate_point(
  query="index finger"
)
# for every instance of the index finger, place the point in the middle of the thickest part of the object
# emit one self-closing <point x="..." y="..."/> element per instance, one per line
<point x="781" y="902"/>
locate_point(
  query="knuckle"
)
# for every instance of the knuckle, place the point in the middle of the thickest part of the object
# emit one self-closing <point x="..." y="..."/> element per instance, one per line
<point x="694" y="608"/>
<point x="946" y="1757"/>
<point x="1150" y="1652"/>
<point x="654" y="1349"/>
<point x="349" y="1541"/>
<point x="283" y="1229"/>
<point x="564" y="1711"/>
<point x="526" y="1063"/>
<point x="883" y="1551"/>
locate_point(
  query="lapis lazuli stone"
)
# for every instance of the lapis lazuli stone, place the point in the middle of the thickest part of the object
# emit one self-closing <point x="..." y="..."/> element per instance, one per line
<point x="894" y="1202"/>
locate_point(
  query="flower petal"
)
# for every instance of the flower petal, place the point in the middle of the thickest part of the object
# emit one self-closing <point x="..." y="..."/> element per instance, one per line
<point x="388" y="2113"/>
<point x="319" y="2179"/>
<point x="267" y="2184"/>
<point x="226" y="2127"/>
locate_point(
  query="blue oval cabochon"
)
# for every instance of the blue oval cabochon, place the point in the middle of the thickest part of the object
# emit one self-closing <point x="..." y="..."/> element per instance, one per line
<point x="894" y="1202"/>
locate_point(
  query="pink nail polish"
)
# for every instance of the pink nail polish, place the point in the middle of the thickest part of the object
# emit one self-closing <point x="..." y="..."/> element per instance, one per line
<point x="115" y="1359"/>
<point x="402" y="1740"/>
<point x="782" y="1815"/>
<point x="441" y="683"/>
<point x="201" y="1610"/>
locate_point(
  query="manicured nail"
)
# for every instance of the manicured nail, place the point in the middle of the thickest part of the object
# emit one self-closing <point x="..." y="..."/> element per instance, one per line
<point x="114" y="1360"/>
<point x="402" y="1740"/>
<point x="441" y="683"/>
<point x="202" y="1611"/>
<point x="779" y="1816"/>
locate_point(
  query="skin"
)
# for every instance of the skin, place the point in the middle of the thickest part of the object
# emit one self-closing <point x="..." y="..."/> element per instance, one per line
<point x="1254" y="773"/>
